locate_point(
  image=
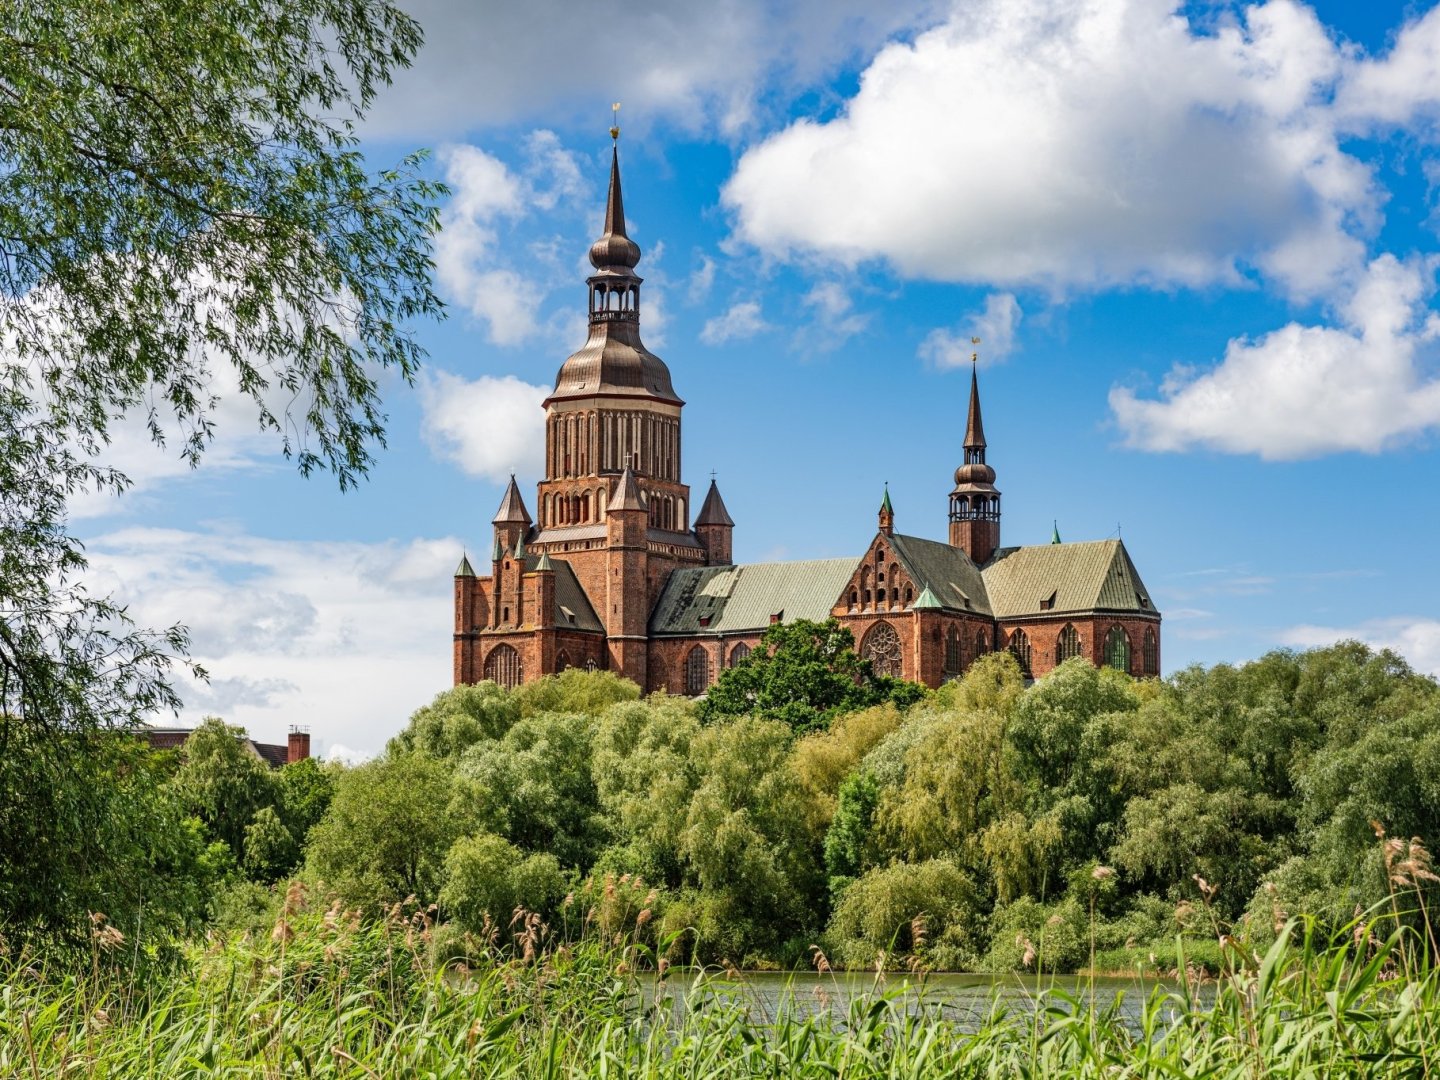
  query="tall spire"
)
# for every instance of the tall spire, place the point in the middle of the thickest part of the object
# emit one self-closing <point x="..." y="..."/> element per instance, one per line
<point x="615" y="251"/>
<point x="512" y="507"/>
<point x="974" y="429"/>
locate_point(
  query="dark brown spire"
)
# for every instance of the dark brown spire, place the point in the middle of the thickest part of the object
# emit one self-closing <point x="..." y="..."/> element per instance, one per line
<point x="713" y="511"/>
<point x="614" y="250"/>
<point x="974" y="429"/>
<point x="512" y="507"/>
<point x="627" y="493"/>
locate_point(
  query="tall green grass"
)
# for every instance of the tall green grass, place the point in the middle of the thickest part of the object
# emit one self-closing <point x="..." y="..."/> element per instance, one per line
<point x="327" y="994"/>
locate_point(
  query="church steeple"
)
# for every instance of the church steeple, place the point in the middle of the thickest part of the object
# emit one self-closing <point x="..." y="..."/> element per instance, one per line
<point x="975" y="502"/>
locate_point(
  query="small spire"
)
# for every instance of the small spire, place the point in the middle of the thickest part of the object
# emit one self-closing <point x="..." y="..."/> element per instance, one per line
<point x="1055" y="532"/>
<point x="512" y="507"/>
<point x="713" y="511"/>
<point x="464" y="569"/>
<point x="544" y="563"/>
<point x="627" y="493"/>
<point x="885" y="507"/>
<point x="499" y="551"/>
<point x="887" y="513"/>
<point x="520" y="546"/>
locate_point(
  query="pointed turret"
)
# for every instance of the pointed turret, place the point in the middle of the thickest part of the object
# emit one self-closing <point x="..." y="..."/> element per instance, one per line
<point x="974" y="501"/>
<point x="1055" y="532"/>
<point x="464" y="569"/>
<point x="614" y="250"/>
<point x="715" y="528"/>
<point x="512" y="507"/>
<point x="627" y="493"/>
<point x="712" y="511"/>
<point x="887" y="514"/>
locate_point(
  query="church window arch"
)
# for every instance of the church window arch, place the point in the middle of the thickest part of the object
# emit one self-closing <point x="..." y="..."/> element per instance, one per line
<point x="502" y="666"/>
<point x="738" y="653"/>
<point x="882" y="648"/>
<point x="1020" y="647"/>
<point x="585" y="507"/>
<point x="562" y="661"/>
<point x="854" y="599"/>
<point x="1117" y="649"/>
<point x="909" y="595"/>
<point x="600" y="499"/>
<point x="954" y="658"/>
<point x="697" y="671"/>
<point x="680" y="507"/>
<point x="982" y="644"/>
<point x="1067" y="644"/>
<point x="1151" y="648"/>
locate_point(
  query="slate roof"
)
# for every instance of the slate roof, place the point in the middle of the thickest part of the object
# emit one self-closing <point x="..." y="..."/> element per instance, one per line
<point x="946" y="571"/>
<point x="572" y="606"/>
<point x="1093" y="576"/>
<point x="736" y="599"/>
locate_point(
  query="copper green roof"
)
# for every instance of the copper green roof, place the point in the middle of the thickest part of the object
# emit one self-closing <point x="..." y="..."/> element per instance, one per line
<point x="464" y="569"/>
<point x="735" y="599"/>
<point x="544" y="563"/>
<point x="1055" y="532"/>
<point x="926" y="601"/>
<point x="1094" y="576"/>
<point x="953" y="580"/>
<point x="885" y="502"/>
<point x="499" y="552"/>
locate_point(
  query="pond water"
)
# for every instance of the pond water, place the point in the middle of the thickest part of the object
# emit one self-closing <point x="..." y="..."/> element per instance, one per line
<point x="965" y="1000"/>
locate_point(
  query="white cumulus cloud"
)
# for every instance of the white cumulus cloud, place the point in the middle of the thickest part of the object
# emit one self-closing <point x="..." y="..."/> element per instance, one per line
<point x="1301" y="391"/>
<point x="995" y="326"/>
<point x="743" y="320"/>
<point x="1417" y="638"/>
<point x="488" y="426"/>
<point x="348" y="638"/>
<point x="1060" y="144"/>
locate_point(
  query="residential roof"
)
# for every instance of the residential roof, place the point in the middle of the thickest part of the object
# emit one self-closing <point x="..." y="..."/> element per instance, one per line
<point x="735" y="599"/>
<point x="1096" y="575"/>
<point x="954" y="581"/>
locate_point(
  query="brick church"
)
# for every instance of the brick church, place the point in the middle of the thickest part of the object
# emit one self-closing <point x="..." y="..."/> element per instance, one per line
<point x="614" y="573"/>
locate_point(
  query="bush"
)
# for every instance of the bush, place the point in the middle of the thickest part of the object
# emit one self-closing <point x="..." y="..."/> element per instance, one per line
<point x="487" y="879"/>
<point x="887" y="909"/>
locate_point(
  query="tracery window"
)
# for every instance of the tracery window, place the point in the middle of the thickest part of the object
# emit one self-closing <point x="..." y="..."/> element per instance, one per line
<point x="954" y="660"/>
<point x="882" y="648"/>
<point x="738" y="653"/>
<point x="697" y="671"/>
<point x="1020" y="646"/>
<point x="1067" y="644"/>
<point x="1117" y="649"/>
<point x="502" y="666"/>
<point x="1152" y="652"/>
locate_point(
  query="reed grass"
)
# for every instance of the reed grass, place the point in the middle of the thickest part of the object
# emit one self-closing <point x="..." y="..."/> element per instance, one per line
<point x="329" y="994"/>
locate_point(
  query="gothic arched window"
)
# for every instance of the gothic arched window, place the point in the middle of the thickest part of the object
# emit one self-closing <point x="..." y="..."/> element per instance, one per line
<point x="954" y="661"/>
<point x="1020" y="646"/>
<point x="882" y="648"/>
<point x="982" y="643"/>
<point x="738" y="653"/>
<point x="1067" y="644"/>
<point x="1117" y="649"/>
<point x="697" y="671"/>
<point x="562" y="660"/>
<point x="1152" y="652"/>
<point x="502" y="666"/>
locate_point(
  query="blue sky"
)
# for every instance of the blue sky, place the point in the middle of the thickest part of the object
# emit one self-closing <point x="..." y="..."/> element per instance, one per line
<point x="1199" y="244"/>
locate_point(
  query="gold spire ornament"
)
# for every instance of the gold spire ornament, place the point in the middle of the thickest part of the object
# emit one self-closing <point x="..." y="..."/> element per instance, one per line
<point x="974" y="356"/>
<point x="615" y="121"/>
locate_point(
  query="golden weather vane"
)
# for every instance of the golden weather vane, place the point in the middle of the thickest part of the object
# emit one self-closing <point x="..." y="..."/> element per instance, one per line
<point x="975" y="356"/>
<point x="615" y="121"/>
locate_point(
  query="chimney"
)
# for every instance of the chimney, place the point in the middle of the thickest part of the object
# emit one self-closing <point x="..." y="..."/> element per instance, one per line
<point x="299" y="747"/>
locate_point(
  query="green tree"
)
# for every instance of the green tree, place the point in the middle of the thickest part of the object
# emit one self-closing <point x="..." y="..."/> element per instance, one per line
<point x="458" y="719"/>
<point x="183" y="206"/>
<point x="387" y="831"/>
<point x="305" y="788"/>
<point x="270" y="849"/>
<point x="802" y="673"/>
<point x="486" y="877"/>
<point x="224" y="783"/>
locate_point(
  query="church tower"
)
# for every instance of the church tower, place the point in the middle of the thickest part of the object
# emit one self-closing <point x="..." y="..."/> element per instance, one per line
<point x="974" y="502"/>
<point x="613" y="406"/>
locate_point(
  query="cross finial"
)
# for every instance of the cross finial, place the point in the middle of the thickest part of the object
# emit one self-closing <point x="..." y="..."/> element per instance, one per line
<point x="712" y="476"/>
<point x="615" y="121"/>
